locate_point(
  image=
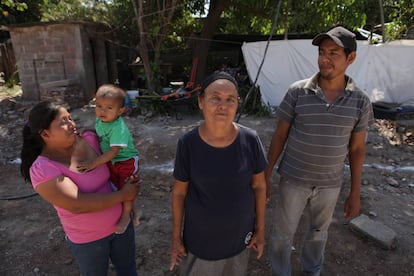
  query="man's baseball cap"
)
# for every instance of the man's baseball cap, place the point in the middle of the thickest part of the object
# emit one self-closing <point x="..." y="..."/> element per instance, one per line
<point x="341" y="36"/>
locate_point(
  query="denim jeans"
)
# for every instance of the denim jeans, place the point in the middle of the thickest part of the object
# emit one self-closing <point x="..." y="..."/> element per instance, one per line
<point x="294" y="199"/>
<point x="93" y="257"/>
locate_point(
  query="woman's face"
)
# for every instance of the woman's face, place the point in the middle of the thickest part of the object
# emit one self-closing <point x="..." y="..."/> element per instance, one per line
<point x="62" y="130"/>
<point x="219" y="102"/>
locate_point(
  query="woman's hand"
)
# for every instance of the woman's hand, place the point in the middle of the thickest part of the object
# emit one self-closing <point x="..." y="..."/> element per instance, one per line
<point x="257" y="243"/>
<point x="177" y="251"/>
<point x="131" y="188"/>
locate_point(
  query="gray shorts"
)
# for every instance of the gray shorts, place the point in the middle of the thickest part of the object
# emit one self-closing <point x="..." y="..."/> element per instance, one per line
<point x="234" y="266"/>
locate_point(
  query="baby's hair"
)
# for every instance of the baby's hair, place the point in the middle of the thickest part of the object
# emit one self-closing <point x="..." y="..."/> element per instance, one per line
<point x="112" y="91"/>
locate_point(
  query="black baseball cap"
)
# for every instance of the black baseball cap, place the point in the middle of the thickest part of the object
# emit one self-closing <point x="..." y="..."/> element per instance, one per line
<point x="341" y="36"/>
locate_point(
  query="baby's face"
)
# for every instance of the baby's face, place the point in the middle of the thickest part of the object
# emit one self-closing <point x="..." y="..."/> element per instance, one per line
<point x="108" y="109"/>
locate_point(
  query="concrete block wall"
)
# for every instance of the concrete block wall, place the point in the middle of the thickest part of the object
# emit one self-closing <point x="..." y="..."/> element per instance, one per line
<point x="49" y="52"/>
<point x="44" y="53"/>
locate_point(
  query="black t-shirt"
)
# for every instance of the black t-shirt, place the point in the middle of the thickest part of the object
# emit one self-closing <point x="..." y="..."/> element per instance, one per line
<point x="220" y="205"/>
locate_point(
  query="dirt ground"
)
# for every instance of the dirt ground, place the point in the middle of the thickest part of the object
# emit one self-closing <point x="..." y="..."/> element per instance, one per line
<point x="32" y="241"/>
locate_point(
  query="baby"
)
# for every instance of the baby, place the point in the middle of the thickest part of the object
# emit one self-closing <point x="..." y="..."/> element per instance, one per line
<point x="116" y="144"/>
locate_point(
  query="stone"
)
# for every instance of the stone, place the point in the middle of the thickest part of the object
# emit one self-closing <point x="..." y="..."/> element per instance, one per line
<point x="391" y="181"/>
<point x="384" y="236"/>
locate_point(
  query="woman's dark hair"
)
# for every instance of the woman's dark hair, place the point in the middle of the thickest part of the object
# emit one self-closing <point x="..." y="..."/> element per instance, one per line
<point x="40" y="118"/>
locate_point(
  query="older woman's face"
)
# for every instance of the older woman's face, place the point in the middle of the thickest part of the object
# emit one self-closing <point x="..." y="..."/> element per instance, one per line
<point x="219" y="102"/>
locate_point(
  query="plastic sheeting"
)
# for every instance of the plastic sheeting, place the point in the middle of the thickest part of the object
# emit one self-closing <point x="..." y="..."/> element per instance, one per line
<point x="385" y="72"/>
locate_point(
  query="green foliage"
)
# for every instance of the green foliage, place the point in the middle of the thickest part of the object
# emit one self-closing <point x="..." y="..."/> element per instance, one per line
<point x="308" y="17"/>
<point x="242" y="17"/>
<point x="395" y="30"/>
<point x="194" y="7"/>
<point x="314" y="16"/>
<point x="240" y="20"/>
<point x="121" y="18"/>
<point x="181" y="29"/>
<point x="118" y="14"/>
<point x="13" y="80"/>
<point x="311" y="17"/>
<point x="12" y="11"/>
<point x="401" y="15"/>
<point x="15" y="5"/>
<point x="56" y="10"/>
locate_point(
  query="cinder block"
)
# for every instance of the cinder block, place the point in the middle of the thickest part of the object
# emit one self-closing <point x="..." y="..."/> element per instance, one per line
<point x="380" y="233"/>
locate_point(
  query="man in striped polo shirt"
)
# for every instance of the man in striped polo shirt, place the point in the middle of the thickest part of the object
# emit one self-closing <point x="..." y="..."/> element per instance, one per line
<point x="322" y="122"/>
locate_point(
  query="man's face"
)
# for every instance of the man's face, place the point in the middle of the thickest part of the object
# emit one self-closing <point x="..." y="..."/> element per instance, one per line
<point x="332" y="59"/>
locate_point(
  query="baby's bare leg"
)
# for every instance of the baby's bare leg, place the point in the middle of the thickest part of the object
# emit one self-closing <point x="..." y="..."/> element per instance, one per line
<point x="136" y="214"/>
<point x="125" y="217"/>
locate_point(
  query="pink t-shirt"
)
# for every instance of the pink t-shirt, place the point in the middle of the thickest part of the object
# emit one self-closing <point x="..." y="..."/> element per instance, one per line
<point x="85" y="227"/>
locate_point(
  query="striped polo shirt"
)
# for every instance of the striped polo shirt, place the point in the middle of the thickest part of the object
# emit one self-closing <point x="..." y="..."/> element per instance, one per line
<point x="317" y="146"/>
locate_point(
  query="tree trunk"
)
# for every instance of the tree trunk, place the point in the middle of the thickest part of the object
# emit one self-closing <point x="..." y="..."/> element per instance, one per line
<point x="286" y="23"/>
<point x="164" y="12"/>
<point x="165" y="16"/>
<point x="381" y="6"/>
<point x="142" y="45"/>
<point x="202" y="42"/>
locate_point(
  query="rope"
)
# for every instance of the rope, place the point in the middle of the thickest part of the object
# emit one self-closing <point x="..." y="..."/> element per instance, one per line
<point x="18" y="197"/>
<point x="263" y="59"/>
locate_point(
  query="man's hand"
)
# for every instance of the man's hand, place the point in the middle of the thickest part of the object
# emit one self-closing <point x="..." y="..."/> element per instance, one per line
<point x="352" y="206"/>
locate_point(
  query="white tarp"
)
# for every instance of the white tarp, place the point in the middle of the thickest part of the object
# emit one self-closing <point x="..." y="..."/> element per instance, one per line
<point x="385" y="72"/>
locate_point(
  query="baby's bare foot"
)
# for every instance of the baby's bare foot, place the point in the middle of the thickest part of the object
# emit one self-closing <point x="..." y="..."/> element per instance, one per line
<point x="135" y="220"/>
<point x="136" y="215"/>
<point x="122" y="224"/>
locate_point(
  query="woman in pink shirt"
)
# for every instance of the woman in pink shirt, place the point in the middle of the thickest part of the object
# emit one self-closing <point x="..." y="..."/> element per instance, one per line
<point x="87" y="206"/>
